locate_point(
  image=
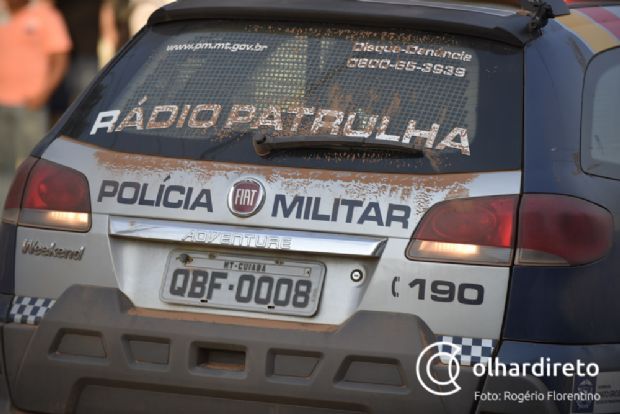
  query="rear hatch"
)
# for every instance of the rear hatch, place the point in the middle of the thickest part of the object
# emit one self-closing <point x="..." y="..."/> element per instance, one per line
<point x="372" y="134"/>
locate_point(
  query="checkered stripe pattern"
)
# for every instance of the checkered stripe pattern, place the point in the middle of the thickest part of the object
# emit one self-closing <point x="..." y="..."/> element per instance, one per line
<point x="473" y="350"/>
<point x="29" y="310"/>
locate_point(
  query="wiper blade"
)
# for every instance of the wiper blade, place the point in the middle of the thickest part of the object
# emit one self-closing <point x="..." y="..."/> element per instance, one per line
<point x="265" y="144"/>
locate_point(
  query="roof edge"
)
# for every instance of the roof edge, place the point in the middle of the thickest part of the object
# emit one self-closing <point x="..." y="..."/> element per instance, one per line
<point x="512" y="29"/>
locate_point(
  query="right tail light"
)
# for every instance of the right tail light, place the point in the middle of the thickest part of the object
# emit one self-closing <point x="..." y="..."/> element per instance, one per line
<point x="468" y="230"/>
<point x="550" y="230"/>
<point x="557" y="230"/>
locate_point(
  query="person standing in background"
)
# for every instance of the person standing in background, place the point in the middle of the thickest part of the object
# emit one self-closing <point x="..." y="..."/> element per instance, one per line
<point x="114" y="28"/>
<point x="34" y="55"/>
<point x="120" y="20"/>
<point x="82" y="20"/>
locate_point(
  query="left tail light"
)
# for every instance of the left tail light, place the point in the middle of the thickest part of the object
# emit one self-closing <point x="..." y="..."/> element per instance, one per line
<point x="52" y="196"/>
<point x="13" y="200"/>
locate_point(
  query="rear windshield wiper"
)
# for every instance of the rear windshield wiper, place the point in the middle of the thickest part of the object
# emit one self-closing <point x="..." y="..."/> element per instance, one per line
<point x="265" y="144"/>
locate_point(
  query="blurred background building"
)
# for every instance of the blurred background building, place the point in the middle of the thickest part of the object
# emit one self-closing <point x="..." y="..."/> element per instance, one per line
<point x="50" y="50"/>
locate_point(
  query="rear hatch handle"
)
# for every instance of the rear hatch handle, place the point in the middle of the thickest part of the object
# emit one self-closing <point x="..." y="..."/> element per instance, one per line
<point x="246" y="237"/>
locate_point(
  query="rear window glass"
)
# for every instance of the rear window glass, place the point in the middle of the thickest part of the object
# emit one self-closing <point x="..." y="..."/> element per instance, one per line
<point x="203" y="90"/>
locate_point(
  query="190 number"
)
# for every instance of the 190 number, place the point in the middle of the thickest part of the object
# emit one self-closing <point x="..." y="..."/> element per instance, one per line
<point x="445" y="291"/>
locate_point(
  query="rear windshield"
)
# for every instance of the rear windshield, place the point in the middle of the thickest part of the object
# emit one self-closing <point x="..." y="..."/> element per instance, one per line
<point x="204" y="90"/>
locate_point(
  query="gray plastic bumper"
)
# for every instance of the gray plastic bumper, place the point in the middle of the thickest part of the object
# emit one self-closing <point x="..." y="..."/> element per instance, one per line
<point x="94" y="352"/>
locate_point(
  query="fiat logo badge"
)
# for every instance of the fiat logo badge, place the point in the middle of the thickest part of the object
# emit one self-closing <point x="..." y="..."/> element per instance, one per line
<point x="246" y="197"/>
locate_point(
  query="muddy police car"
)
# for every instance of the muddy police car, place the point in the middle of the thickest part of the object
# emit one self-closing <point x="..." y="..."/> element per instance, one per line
<point x="369" y="206"/>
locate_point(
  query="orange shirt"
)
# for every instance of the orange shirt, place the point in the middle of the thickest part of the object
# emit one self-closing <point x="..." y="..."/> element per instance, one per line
<point x="26" y="41"/>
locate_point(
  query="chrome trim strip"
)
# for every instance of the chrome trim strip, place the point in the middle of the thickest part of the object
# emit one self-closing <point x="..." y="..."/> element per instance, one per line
<point x="246" y="237"/>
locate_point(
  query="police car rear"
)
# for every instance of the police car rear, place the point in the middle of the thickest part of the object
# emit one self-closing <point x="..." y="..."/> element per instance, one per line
<point x="271" y="215"/>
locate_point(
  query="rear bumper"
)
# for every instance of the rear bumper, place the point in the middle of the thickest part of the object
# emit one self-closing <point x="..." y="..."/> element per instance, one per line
<point x="94" y="352"/>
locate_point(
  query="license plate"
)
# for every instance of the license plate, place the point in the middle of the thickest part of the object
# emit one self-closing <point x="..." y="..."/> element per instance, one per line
<point x="248" y="283"/>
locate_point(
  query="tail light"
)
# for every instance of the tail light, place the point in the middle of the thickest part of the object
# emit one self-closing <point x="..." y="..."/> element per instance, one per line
<point x="556" y="230"/>
<point x="470" y="230"/>
<point x="52" y="196"/>
<point x="14" y="196"/>
<point x="553" y="230"/>
<point x="8" y="227"/>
